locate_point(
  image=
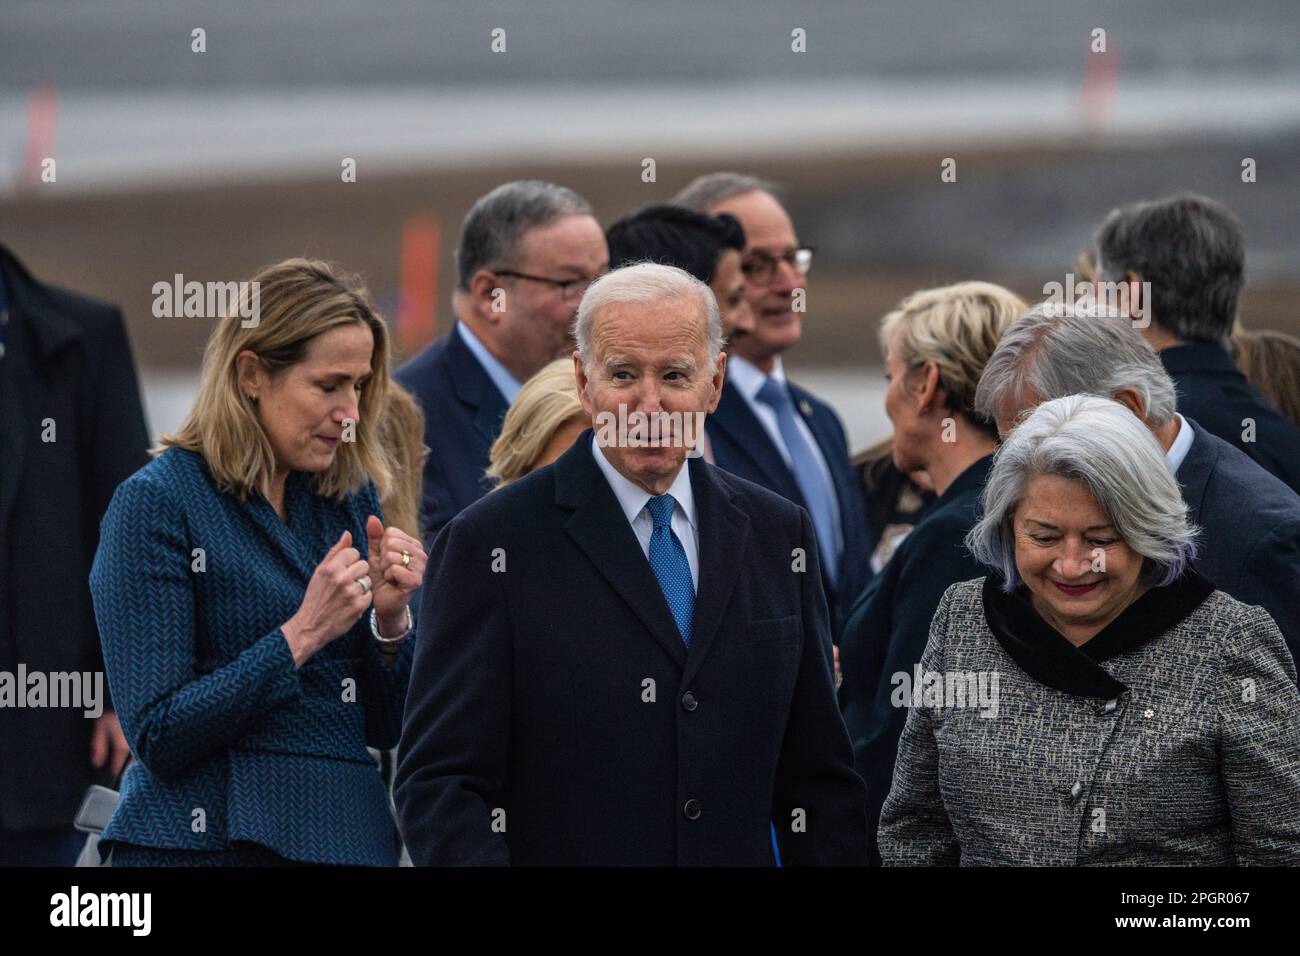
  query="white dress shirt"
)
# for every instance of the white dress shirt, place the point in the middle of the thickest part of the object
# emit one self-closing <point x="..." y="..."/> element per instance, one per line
<point x="506" y="383"/>
<point x="632" y="499"/>
<point x="1178" y="450"/>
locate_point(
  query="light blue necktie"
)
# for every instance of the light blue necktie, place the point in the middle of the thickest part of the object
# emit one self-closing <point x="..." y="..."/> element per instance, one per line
<point x="816" y="490"/>
<point x="668" y="560"/>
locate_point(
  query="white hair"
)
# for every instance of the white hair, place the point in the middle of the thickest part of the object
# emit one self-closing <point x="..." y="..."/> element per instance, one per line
<point x="1058" y="349"/>
<point x="1100" y="443"/>
<point x="646" y="282"/>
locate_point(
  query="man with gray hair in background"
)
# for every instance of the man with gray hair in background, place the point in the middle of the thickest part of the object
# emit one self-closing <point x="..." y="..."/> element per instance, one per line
<point x="527" y="252"/>
<point x="620" y="662"/>
<point x="1250" y="521"/>
<point x="1189" y="253"/>
<point x="767" y="429"/>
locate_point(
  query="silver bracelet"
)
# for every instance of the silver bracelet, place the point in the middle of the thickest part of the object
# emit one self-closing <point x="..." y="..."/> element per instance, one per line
<point x="390" y="641"/>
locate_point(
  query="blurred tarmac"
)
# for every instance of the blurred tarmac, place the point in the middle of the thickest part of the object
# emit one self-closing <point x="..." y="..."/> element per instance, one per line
<point x="214" y="164"/>
<point x="884" y="226"/>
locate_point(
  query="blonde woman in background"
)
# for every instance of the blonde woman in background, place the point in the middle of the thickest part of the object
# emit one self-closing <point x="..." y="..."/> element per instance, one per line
<point x="545" y="418"/>
<point x="936" y="344"/>
<point x="401" y="433"/>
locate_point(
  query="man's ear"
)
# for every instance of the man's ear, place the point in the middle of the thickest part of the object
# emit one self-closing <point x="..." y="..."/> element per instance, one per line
<point x="580" y="374"/>
<point x="486" y="296"/>
<point x="1131" y="399"/>
<point x="719" y="379"/>
<point x="1137" y="305"/>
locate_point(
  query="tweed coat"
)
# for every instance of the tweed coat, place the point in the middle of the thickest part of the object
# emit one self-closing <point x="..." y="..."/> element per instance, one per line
<point x="1183" y="749"/>
<point x="217" y="716"/>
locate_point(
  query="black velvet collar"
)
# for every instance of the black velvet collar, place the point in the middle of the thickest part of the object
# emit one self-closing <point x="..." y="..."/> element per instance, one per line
<point x="972" y="479"/>
<point x="1044" y="653"/>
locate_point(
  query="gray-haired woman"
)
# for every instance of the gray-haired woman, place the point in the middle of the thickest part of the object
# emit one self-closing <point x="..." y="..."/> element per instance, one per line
<point x="1097" y="701"/>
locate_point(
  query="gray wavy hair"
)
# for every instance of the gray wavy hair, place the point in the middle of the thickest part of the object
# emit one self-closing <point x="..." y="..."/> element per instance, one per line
<point x="704" y="192"/>
<point x="1101" y="443"/>
<point x="1058" y="349"/>
<point x="495" y="225"/>
<point x="646" y="282"/>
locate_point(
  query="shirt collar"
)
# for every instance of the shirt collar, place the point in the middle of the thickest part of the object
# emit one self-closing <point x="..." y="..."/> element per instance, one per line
<point x="632" y="498"/>
<point x="506" y="383"/>
<point x="1178" y="450"/>
<point x="749" y="378"/>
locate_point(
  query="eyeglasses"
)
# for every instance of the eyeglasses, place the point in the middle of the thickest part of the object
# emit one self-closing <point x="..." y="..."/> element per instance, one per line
<point x="571" y="290"/>
<point x="760" y="268"/>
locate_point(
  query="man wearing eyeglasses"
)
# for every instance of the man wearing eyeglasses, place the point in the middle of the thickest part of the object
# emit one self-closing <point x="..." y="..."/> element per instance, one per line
<point x="527" y="252"/>
<point x="767" y="429"/>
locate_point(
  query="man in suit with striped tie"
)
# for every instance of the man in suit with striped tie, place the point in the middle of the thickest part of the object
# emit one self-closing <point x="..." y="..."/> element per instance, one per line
<point x="624" y="658"/>
<point x="766" y="428"/>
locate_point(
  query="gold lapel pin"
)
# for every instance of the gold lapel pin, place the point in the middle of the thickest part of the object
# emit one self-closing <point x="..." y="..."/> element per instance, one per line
<point x="1148" y="712"/>
<point x="806" y="409"/>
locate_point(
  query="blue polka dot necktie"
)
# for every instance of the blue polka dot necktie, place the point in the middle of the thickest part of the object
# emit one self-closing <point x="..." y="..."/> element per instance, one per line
<point x="668" y="560"/>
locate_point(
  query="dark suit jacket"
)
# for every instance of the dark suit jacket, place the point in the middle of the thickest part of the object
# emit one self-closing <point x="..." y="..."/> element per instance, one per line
<point x="742" y="446"/>
<point x="67" y="359"/>
<point x="463" y="410"/>
<point x="1250" y="547"/>
<point x="889" y="625"/>
<point x="553" y="697"/>
<point x="1212" y="390"/>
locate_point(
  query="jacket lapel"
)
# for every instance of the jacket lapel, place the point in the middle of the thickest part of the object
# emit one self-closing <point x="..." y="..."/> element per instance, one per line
<point x="734" y="418"/>
<point x="601" y="530"/>
<point x="1194" y="475"/>
<point x="17" y="392"/>
<point x="821" y="431"/>
<point x="475" y="389"/>
<point x="281" y="536"/>
<point x="724" y="534"/>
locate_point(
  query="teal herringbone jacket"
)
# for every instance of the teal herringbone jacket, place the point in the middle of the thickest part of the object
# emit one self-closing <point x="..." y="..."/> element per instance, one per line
<point x="230" y="741"/>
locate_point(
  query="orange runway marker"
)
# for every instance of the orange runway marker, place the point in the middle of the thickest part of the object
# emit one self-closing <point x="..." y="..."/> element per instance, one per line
<point x="42" y="121"/>
<point x="417" y="302"/>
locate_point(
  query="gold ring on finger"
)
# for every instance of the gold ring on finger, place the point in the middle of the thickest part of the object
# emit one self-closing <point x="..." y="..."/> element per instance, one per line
<point x="406" y="559"/>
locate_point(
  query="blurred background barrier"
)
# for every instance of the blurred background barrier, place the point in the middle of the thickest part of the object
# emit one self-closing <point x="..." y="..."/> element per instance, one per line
<point x="210" y="164"/>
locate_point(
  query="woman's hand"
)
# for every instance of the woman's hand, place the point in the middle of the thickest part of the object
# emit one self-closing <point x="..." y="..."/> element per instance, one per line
<point x="333" y="602"/>
<point x="392" y="580"/>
